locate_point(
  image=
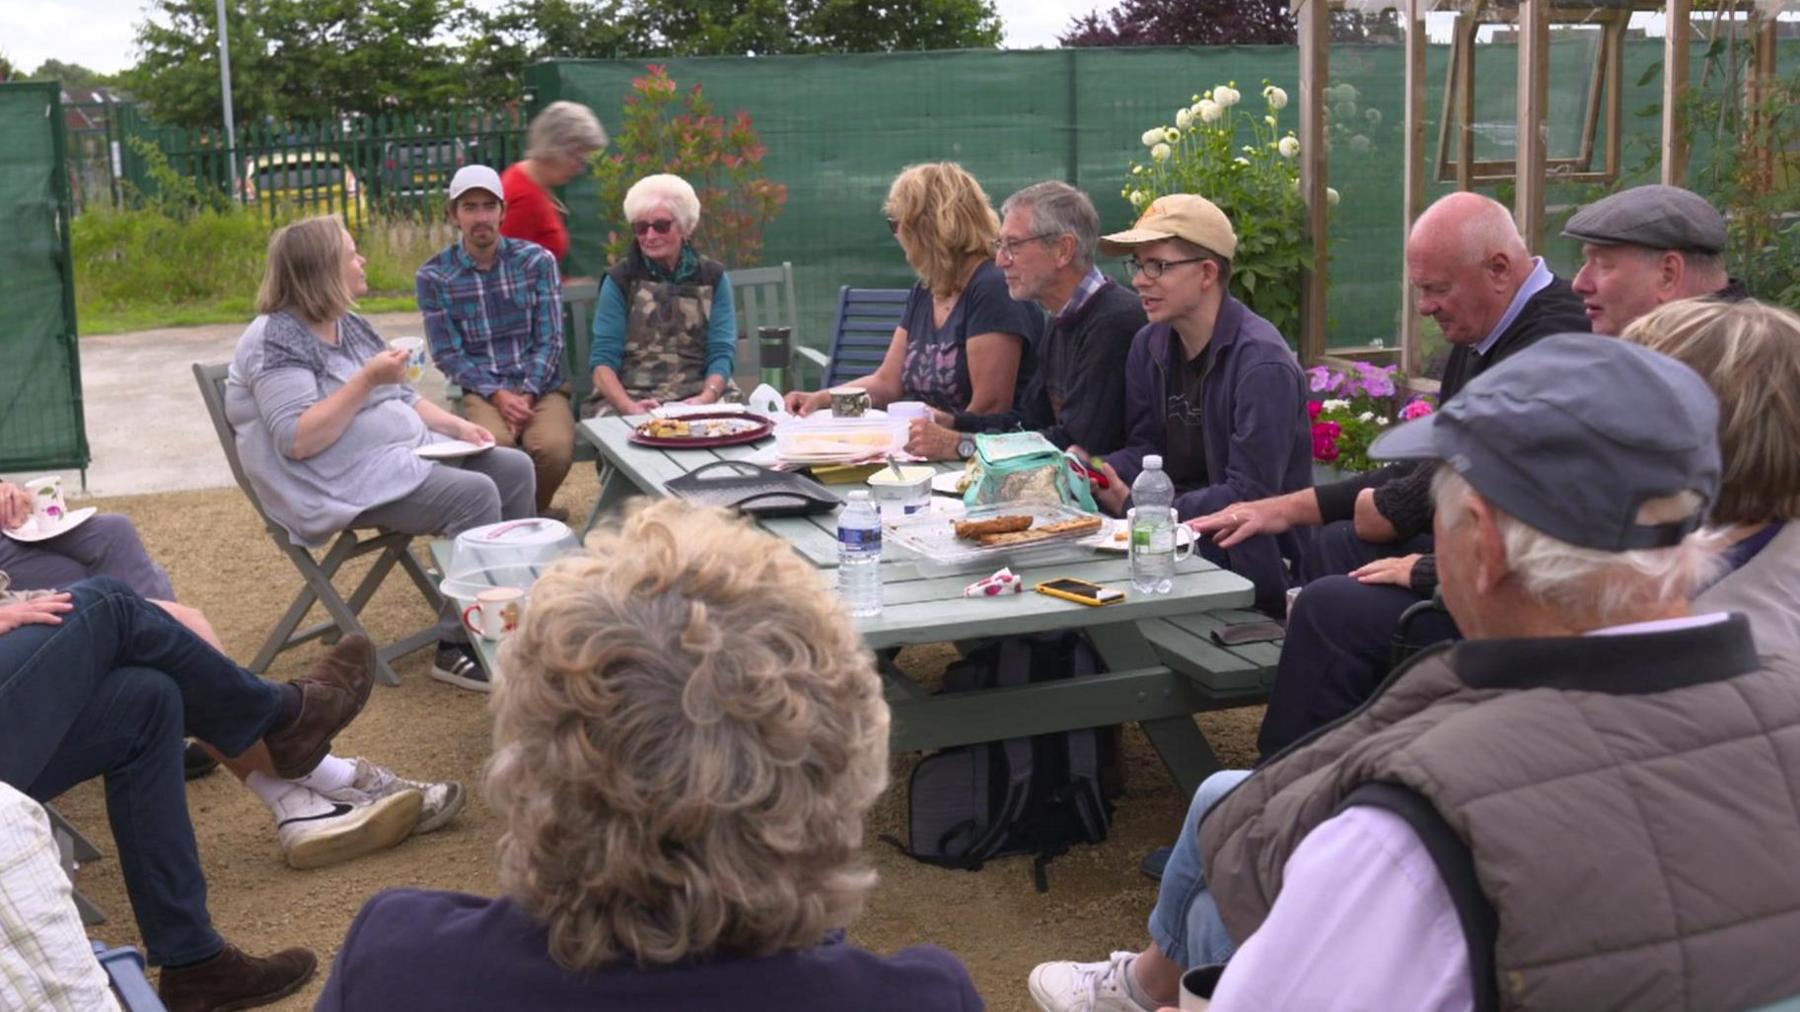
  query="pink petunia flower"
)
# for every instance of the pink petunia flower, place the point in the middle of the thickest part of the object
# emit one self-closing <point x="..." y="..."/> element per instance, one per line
<point x="1313" y="408"/>
<point x="1418" y="407"/>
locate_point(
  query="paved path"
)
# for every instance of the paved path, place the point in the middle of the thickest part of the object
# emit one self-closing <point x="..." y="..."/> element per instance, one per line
<point x="147" y="428"/>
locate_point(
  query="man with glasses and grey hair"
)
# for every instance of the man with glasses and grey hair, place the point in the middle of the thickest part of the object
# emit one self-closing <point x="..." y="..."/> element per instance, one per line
<point x="1076" y="397"/>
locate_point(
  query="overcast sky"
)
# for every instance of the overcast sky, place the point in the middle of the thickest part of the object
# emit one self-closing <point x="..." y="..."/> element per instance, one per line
<point x="97" y="33"/>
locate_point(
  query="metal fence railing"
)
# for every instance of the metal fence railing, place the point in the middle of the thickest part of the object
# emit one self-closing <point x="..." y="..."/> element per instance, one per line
<point x="361" y="167"/>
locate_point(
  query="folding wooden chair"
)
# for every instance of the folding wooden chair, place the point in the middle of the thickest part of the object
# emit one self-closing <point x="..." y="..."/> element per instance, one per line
<point x="72" y="848"/>
<point x="394" y="546"/>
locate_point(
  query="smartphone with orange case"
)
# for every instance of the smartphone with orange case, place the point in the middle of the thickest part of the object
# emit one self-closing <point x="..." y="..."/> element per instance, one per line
<point x="1081" y="591"/>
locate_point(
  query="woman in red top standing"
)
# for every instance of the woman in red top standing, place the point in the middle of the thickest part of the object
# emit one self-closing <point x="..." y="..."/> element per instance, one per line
<point x="557" y="147"/>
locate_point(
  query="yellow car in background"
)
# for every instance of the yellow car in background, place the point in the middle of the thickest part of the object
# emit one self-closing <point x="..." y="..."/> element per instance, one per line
<point x="316" y="182"/>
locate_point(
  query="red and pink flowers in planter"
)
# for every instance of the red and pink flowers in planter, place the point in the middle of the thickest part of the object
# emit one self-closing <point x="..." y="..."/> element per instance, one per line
<point x="1350" y="408"/>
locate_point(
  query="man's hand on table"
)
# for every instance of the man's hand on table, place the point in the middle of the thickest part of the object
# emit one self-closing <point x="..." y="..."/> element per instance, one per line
<point x="1244" y="520"/>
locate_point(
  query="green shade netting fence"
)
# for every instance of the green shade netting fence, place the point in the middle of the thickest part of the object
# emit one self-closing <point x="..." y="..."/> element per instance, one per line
<point x="839" y="128"/>
<point x="40" y="385"/>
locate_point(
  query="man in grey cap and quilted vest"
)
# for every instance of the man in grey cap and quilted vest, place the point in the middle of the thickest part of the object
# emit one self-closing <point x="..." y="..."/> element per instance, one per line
<point x="1589" y="803"/>
<point x="1646" y="246"/>
<point x="1603" y="782"/>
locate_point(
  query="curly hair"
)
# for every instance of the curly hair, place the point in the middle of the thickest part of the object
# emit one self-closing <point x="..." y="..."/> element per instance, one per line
<point x="943" y="218"/>
<point x="686" y="738"/>
<point x="673" y="192"/>
<point x="1749" y="353"/>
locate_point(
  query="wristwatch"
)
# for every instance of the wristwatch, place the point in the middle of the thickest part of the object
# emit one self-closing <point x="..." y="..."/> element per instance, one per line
<point x="965" y="446"/>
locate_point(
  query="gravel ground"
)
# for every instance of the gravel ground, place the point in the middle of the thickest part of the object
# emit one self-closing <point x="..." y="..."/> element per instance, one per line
<point x="224" y="564"/>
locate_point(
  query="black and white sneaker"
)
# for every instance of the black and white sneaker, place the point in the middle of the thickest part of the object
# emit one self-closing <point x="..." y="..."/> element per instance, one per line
<point x="315" y="830"/>
<point x="456" y="664"/>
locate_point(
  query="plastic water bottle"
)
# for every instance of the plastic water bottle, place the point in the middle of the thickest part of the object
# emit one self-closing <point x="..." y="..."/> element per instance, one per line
<point x="1152" y="529"/>
<point x="859" y="555"/>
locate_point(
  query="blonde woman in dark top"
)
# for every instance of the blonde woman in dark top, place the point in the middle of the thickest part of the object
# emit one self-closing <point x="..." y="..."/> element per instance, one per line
<point x="963" y="342"/>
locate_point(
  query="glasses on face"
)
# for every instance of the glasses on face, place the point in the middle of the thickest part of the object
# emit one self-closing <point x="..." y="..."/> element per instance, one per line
<point x="661" y="225"/>
<point x="893" y="226"/>
<point x="1154" y="268"/>
<point x="1009" y="248"/>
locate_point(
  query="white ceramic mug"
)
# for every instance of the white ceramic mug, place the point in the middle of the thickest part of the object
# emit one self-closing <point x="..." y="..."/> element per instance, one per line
<point x="415" y="356"/>
<point x="909" y="410"/>
<point x="495" y="613"/>
<point x="1184" y="543"/>
<point x="47" y="505"/>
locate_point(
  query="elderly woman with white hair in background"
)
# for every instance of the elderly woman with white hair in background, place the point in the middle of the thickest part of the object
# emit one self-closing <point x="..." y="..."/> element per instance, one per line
<point x="682" y="766"/>
<point x="557" y="147"/>
<point x="664" y="329"/>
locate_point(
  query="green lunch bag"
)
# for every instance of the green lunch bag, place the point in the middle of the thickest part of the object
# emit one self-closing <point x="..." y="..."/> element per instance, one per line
<point x="1024" y="466"/>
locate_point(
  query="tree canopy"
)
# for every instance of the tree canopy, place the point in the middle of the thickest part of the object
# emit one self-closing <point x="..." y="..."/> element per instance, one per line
<point x="315" y="59"/>
<point x="71" y="75"/>
<point x="1185" y="23"/>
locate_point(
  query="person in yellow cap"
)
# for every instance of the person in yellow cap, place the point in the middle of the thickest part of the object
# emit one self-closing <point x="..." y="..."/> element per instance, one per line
<point x="1210" y="386"/>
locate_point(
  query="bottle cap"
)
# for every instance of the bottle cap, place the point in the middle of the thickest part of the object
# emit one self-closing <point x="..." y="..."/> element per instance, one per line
<point x="1152" y="461"/>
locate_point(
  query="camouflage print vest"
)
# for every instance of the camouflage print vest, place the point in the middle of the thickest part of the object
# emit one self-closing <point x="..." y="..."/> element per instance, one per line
<point x="665" y="329"/>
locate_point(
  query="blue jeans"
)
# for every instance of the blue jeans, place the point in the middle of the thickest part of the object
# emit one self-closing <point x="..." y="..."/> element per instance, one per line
<point x="1335" y="549"/>
<point x="1185" y="922"/>
<point x="110" y="692"/>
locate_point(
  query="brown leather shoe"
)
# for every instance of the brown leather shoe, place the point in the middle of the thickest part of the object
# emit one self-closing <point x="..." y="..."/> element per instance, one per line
<point x="232" y="980"/>
<point x="332" y="693"/>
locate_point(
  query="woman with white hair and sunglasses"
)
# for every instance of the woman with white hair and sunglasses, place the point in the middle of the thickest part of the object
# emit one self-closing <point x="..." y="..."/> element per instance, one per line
<point x="682" y="765"/>
<point x="664" y="329"/>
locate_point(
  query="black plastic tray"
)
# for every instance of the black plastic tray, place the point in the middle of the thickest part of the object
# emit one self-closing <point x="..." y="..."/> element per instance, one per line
<point x="743" y="486"/>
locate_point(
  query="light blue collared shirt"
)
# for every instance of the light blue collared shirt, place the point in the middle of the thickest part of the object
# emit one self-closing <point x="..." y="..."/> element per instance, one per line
<point x="1538" y="280"/>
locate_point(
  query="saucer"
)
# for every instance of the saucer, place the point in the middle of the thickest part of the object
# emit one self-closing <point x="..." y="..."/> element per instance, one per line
<point x="451" y="449"/>
<point x="31" y="530"/>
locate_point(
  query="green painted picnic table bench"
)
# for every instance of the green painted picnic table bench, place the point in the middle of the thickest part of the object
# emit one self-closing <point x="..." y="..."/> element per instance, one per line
<point x="1161" y="666"/>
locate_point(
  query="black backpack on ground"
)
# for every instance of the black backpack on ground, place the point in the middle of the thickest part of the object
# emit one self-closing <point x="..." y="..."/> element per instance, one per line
<point x="1036" y="795"/>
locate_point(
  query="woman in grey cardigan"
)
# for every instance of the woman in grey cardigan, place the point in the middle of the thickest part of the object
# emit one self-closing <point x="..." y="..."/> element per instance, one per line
<point x="327" y="425"/>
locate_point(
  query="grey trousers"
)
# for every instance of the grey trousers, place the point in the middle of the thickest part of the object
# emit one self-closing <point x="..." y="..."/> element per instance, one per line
<point x="106" y="545"/>
<point x="486" y="489"/>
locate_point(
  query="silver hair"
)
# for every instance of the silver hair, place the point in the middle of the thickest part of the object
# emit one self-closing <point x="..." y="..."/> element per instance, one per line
<point x="1603" y="588"/>
<point x="1058" y="209"/>
<point x="564" y="128"/>
<point x="673" y="192"/>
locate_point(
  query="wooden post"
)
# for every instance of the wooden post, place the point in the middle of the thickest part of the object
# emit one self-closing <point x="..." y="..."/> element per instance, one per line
<point x="1315" y="69"/>
<point x="1412" y="176"/>
<point x="1675" y="82"/>
<point x="1534" y="82"/>
<point x="1763" y="23"/>
<point x="1466" y="26"/>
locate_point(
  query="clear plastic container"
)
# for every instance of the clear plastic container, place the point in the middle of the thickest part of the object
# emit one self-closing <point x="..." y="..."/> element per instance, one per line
<point x="512" y="553"/>
<point x="821" y="440"/>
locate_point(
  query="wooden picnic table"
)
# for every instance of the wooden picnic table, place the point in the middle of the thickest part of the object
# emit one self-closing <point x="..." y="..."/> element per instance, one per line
<point x="1161" y="666"/>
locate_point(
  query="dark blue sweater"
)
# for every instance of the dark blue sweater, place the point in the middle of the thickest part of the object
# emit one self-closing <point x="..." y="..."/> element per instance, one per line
<point x="420" y="949"/>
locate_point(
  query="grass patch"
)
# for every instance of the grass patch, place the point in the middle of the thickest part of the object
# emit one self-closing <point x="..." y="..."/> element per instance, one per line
<point x="146" y="268"/>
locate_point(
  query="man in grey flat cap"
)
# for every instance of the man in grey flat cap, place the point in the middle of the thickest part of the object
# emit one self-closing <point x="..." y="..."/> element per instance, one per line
<point x="1646" y="246"/>
<point x="1584" y="804"/>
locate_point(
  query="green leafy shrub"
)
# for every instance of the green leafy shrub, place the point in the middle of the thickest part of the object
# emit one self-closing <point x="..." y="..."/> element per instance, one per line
<point x="721" y="158"/>
<point x="1256" y="184"/>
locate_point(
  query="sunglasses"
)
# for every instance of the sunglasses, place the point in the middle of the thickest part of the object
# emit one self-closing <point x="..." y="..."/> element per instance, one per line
<point x="661" y="225"/>
<point x="893" y="226"/>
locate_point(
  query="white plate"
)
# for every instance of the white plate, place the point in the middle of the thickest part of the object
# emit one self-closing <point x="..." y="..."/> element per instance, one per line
<point x="451" y="449"/>
<point x="1109" y="540"/>
<point x="945" y="482"/>
<point x="31" y="530"/>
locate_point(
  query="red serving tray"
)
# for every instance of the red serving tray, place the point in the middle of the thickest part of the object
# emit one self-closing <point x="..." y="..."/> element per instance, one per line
<point x="763" y="427"/>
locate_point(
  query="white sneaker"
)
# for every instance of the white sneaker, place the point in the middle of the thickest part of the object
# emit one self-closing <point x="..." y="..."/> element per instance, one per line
<point x="442" y="801"/>
<point x="1085" y="987"/>
<point x="315" y="831"/>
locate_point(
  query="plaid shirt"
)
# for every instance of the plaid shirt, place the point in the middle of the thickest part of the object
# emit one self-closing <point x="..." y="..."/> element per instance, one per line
<point x="498" y="329"/>
<point x="45" y="962"/>
<point x="1091" y="282"/>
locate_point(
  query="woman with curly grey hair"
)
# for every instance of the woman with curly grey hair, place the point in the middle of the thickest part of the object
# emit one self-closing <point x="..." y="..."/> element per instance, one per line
<point x="686" y="740"/>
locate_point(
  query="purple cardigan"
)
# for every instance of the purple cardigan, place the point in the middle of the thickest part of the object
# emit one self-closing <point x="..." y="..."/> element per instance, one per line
<point x="1258" y="436"/>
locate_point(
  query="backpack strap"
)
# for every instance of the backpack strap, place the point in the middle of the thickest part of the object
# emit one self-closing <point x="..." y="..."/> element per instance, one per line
<point x="1456" y="866"/>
